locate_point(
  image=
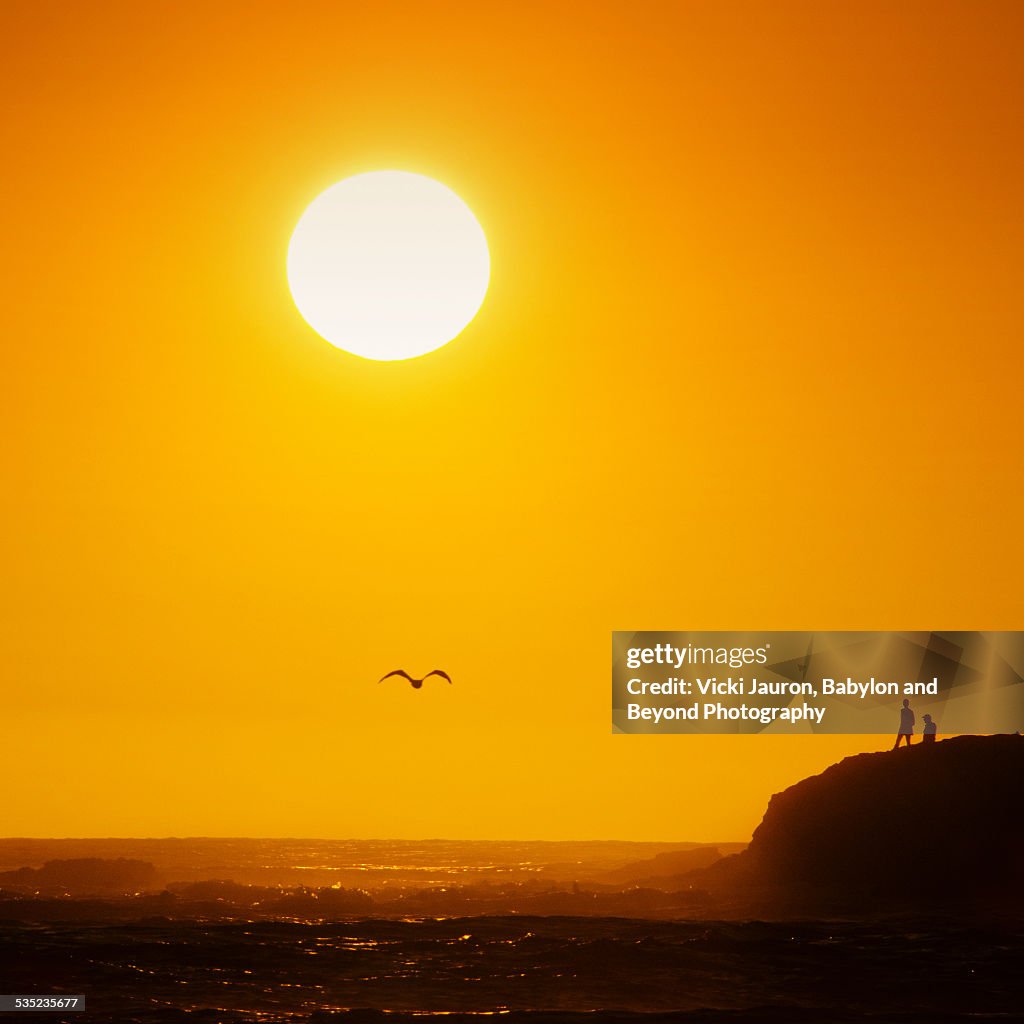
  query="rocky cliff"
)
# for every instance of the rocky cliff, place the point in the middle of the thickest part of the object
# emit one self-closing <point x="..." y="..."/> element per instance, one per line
<point x="915" y="828"/>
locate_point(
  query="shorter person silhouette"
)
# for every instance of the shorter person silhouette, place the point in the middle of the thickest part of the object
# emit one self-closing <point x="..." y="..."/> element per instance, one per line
<point x="906" y="725"/>
<point x="929" y="730"/>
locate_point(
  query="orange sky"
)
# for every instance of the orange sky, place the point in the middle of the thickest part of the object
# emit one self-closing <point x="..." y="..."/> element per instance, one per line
<point x="750" y="359"/>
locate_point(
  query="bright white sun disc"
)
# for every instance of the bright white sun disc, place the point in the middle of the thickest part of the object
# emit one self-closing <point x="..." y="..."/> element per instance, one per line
<point x="388" y="265"/>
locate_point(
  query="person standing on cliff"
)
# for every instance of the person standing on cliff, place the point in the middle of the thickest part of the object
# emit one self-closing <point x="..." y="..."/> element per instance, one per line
<point x="906" y="724"/>
<point x="929" y="731"/>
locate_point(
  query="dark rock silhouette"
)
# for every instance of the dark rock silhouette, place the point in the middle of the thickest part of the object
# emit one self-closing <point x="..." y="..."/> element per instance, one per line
<point x="83" y="876"/>
<point x="667" y="869"/>
<point x="913" y="829"/>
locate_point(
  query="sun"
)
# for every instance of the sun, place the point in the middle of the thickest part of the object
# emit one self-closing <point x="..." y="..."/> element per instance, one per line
<point x="388" y="265"/>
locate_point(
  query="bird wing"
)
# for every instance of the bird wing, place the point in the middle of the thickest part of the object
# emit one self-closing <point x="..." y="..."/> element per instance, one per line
<point x="398" y="672"/>
<point x="438" y="672"/>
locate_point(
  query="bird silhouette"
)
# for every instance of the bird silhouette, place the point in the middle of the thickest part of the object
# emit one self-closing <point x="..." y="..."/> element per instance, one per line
<point x="416" y="683"/>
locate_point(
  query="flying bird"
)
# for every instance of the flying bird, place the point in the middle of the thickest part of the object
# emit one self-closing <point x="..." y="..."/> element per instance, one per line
<point x="416" y="683"/>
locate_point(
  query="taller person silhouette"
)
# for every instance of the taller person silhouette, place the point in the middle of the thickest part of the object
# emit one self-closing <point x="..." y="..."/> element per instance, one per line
<point x="906" y="725"/>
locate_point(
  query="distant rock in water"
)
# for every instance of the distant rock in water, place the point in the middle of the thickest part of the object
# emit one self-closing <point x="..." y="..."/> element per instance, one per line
<point x="82" y="876"/>
<point x="667" y="869"/>
<point x="915" y="828"/>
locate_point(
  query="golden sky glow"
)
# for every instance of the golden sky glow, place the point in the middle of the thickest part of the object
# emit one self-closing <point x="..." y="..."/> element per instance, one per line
<point x="750" y="357"/>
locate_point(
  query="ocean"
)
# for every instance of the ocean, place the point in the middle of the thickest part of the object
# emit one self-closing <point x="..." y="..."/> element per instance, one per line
<point x="538" y="969"/>
<point x="251" y="947"/>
